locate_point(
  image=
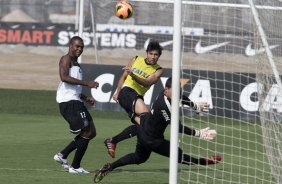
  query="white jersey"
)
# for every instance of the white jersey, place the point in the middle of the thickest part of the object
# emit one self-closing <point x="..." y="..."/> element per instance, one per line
<point x="67" y="92"/>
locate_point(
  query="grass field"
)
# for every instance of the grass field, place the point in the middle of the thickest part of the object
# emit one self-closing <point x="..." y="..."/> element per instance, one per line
<point x="32" y="131"/>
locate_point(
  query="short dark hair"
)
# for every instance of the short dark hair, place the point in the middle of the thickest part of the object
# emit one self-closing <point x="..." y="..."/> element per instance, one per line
<point x="168" y="82"/>
<point x="75" y="38"/>
<point x="154" y="45"/>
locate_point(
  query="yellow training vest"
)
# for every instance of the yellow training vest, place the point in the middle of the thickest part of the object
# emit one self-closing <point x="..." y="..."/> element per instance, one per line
<point x="141" y="69"/>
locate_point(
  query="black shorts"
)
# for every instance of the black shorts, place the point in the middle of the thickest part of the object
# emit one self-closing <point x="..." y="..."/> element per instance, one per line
<point x="76" y="114"/>
<point x="127" y="98"/>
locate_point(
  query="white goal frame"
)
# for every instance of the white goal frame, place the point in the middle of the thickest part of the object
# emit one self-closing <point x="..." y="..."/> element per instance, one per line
<point x="176" y="60"/>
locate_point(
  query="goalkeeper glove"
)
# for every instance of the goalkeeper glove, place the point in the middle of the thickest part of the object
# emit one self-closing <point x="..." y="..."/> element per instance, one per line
<point x="201" y="106"/>
<point x="206" y="134"/>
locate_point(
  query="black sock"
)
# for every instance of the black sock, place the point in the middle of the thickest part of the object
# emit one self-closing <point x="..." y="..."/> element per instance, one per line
<point x="127" y="133"/>
<point x="68" y="149"/>
<point x="126" y="160"/>
<point x="81" y="147"/>
<point x="191" y="160"/>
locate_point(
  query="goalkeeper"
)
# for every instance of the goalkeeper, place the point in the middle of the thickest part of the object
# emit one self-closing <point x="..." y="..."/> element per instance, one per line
<point x="150" y="137"/>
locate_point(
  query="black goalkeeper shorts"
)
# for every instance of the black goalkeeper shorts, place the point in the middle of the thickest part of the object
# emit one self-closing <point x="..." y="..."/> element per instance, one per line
<point x="127" y="98"/>
<point x="76" y="114"/>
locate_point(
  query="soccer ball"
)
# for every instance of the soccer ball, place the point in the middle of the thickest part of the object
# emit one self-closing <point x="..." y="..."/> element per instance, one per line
<point x="124" y="9"/>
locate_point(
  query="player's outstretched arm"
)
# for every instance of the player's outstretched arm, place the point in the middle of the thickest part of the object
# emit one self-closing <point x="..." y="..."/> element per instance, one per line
<point x="197" y="106"/>
<point x="205" y="133"/>
<point x="121" y="80"/>
<point x="201" y="107"/>
<point x="64" y="66"/>
<point x="152" y="79"/>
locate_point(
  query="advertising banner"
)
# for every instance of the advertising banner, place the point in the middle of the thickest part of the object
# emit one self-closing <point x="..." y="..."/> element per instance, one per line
<point x="109" y="36"/>
<point x="229" y="94"/>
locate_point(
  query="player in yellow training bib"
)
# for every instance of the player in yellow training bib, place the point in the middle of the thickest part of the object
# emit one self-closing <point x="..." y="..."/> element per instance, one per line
<point x="138" y="76"/>
<point x="143" y="70"/>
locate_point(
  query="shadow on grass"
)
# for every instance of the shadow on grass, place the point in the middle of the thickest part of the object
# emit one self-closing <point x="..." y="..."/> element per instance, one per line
<point x="151" y="170"/>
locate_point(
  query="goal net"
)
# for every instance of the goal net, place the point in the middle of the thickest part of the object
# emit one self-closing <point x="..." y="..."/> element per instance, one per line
<point x="234" y="66"/>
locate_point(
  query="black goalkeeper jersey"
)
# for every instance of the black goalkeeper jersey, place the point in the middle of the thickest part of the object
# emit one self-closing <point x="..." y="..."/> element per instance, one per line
<point x="154" y="123"/>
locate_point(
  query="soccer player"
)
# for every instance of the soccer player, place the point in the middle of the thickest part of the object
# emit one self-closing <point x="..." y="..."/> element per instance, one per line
<point x="138" y="76"/>
<point x="72" y="108"/>
<point x="150" y="136"/>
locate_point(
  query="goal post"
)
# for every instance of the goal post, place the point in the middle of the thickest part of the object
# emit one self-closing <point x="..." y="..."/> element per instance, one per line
<point x="176" y="58"/>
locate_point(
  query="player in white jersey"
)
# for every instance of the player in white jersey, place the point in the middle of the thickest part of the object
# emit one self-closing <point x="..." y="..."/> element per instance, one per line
<point x="72" y="108"/>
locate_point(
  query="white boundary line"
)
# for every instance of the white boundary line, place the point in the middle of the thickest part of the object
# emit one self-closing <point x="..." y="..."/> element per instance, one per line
<point x="212" y="4"/>
<point x="62" y="170"/>
<point x="21" y="169"/>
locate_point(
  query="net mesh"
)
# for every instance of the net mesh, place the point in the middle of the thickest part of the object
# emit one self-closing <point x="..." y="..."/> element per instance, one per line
<point x="228" y="67"/>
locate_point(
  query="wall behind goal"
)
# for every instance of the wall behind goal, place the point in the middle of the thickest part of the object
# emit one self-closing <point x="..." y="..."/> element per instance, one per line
<point x="229" y="94"/>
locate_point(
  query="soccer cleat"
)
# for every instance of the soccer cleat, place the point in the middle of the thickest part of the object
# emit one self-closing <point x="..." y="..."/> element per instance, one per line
<point x="213" y="159"/>
<point x="59" y="158"/>
<point x="78" y="170"/>
<point x="102" y="172"/>
<point x="111" y="147"/>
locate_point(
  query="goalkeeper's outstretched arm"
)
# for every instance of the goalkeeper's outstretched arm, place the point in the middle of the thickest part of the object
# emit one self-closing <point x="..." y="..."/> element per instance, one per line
<point x="198" y="107"/>
<point x="185" y="100"/>
<point x="205" y="133"/>
<point x="186" y="130"/>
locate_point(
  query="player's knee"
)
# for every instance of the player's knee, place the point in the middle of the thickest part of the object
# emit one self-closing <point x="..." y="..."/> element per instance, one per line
<point x="89" y="130"/>
<point x="140" y="107"/>
<point x="135" y="119"/>
<point x="141" y="159"/>
<point x="89" y="135"/>
<point x="92" y="134"/>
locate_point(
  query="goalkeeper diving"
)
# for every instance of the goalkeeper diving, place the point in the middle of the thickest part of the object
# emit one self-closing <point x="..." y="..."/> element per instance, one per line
<point x="150" y="136"/>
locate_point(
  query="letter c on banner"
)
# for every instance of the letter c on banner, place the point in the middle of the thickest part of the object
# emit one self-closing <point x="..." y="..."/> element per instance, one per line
<point x="245" y="97"/>
<point x="98" y="93"/>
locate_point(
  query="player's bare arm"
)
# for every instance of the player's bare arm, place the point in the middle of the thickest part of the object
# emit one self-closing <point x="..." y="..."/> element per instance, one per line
<point x="119" y="86"/>
<point x="152" y="79"/>
<point x="121" y="81"/>
<point x="64" y="65"/>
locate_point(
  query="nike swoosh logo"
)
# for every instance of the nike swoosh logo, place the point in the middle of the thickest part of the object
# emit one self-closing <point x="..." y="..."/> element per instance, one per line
<point x="50" y="27"/>
<point x="251" y="52"/>
<point x="201" y="50"/>
<point x="15" y="26"/>
<point x="163" y="44"/>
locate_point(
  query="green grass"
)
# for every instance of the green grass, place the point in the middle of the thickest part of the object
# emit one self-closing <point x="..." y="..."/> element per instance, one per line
<point x="29" y="142"/>
<point x="32" y="131"/>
